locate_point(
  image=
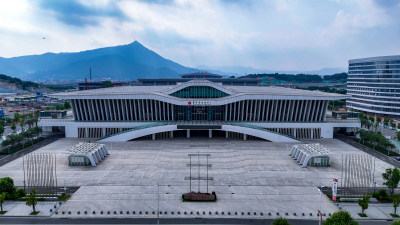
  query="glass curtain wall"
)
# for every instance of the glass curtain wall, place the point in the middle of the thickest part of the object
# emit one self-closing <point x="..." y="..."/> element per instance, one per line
<point x="199" y="92"/>
<point x="210" y="113"/>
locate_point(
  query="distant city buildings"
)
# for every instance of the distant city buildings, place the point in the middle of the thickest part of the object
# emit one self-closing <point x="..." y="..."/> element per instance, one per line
<point x="89" y="85"/>
<point x="200" y="75"/>
<point x="374" y="85"/>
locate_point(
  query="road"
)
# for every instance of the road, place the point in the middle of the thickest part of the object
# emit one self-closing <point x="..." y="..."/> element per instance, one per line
<point x="49" y="139"/>
<point x="48" y="220"/>
<point x="8" y="130"/>
<point x="349" y="140"/>
<point x="387" y="132"/>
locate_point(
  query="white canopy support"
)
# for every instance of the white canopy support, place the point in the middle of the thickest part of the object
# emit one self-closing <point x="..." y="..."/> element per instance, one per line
<point x="304" y="152"/>
<point x="93" y="151"/>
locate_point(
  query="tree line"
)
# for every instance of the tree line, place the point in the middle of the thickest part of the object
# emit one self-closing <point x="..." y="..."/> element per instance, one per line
<point x="302" y="78"/>
<point x="14" y="80"/>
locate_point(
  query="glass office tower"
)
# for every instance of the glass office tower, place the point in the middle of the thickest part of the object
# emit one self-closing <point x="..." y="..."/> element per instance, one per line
<point x="374" y="85"/>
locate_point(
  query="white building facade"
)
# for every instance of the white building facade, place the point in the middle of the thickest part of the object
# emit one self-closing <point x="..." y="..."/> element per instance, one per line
<point x="131" y="112"/>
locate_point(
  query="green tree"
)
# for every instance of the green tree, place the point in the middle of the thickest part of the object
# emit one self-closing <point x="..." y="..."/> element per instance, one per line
<point x="30" y="123"/>
<point x="8" y="120"/>
<point x="67" y="105"/>
<point x="13" y="127"/>
<point x="1" y="129"/>
<point x="31" y="200"/>
<point x="392" y="179"/>
<point x="398" y="135"/>
<point x="386" y="121"/>
<point x="371" y="118"/>
<point x="35" y="120"/>
<point x="7" y="186"/>
<point x="376" y="124"/>
<point x="392" y="124"/>
<point x="2" y="199"/>
<point x="396" y="202"/>
<point x="379" y="119"/>
<point x="340" y="218"/>
<point x="22" y="123"/>
<point x="107" y="84"/>
<point x="17" y="116"/>
<point x="281" y="221"/>
<point x="363" y="203"/>
<point x="30" y="115"/>
<point x="396" y="222"/>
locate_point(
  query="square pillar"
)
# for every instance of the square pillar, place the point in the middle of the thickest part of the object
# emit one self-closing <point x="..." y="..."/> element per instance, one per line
<point x="244" y="136"/>
<point x="210" y="133"/>
<point x="153" y="136"/>
<point x="188" y="133"/>
<point x="171" y="134"/>
<point x="226" y="134"/>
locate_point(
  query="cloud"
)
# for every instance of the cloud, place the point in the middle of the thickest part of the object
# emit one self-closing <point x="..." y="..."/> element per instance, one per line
<point x="77" y="13"/>
<point x="270" y="34"/>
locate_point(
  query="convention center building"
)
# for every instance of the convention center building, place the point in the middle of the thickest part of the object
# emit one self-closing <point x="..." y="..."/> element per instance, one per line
<point x="199" y="108"/>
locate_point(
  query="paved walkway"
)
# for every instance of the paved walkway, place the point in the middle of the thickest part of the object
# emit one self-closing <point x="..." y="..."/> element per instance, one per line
<point x="375" y="211"/>
<point x="19" y="208"/>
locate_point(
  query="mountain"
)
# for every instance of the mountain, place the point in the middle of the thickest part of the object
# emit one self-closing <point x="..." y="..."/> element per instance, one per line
<point x="124" y="62"/>
<point x="243" y="70"/>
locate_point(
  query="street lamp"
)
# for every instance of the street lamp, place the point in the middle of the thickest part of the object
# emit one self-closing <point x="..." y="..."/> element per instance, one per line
<point x="158" y="202"/>
<point x="320" y="204"/>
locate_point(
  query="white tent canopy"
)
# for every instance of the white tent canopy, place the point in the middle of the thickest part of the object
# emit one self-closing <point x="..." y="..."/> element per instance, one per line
<point x="304" y="152"/>
<point x="93" y="151"/>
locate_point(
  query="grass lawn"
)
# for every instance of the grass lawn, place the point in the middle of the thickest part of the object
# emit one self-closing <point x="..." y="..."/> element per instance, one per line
<point x="394" y="215"/>
<point x="362" y="215"/>
<point x="2" y="212"/>
<point x="35" y="213"/>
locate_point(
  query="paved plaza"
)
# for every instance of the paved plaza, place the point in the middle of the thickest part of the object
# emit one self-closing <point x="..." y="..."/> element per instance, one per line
<point x="249" y="177"/>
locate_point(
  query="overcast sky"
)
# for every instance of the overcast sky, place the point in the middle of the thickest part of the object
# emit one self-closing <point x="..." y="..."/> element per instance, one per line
<point x="270" y="34"/>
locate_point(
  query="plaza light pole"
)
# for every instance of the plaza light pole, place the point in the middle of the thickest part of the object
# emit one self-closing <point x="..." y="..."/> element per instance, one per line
<point x="320" y="205"/>
<point x="158" y="202"/>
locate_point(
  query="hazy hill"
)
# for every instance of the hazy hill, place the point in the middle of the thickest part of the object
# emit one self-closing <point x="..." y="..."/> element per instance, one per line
<point x="243" y="70"/>
<point x="124" y="62"/>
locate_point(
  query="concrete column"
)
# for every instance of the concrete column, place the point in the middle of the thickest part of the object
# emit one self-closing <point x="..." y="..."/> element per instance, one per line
<point x="210" y="133"/>
<point x="280" y="110"/>
<point x="294" y="132"/>
<point x="168" y="118"/>
<point x="312" y="109"/>
<point x="107" y="104"/>
<point x="226" y="134"/>
<point x="151" y="109"/>
<point x="244" y="136"/>
<point x="153" y="136"/>
<point x="242" y="109"/>
<point x="143" y="111"/>
<point x="163" y="111"/>
<point x="188" y="133"/>
<point x="171" y="134"/>
<point x="234" y="111"/>
<point x="86" y="132"/>
<point x="103" y="132"/>
<point x="263" y="110"/>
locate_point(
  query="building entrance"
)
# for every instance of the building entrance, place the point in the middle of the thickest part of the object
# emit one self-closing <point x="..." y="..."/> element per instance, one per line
<point x="203" y="113"/>
<point x="200" y="113"/>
